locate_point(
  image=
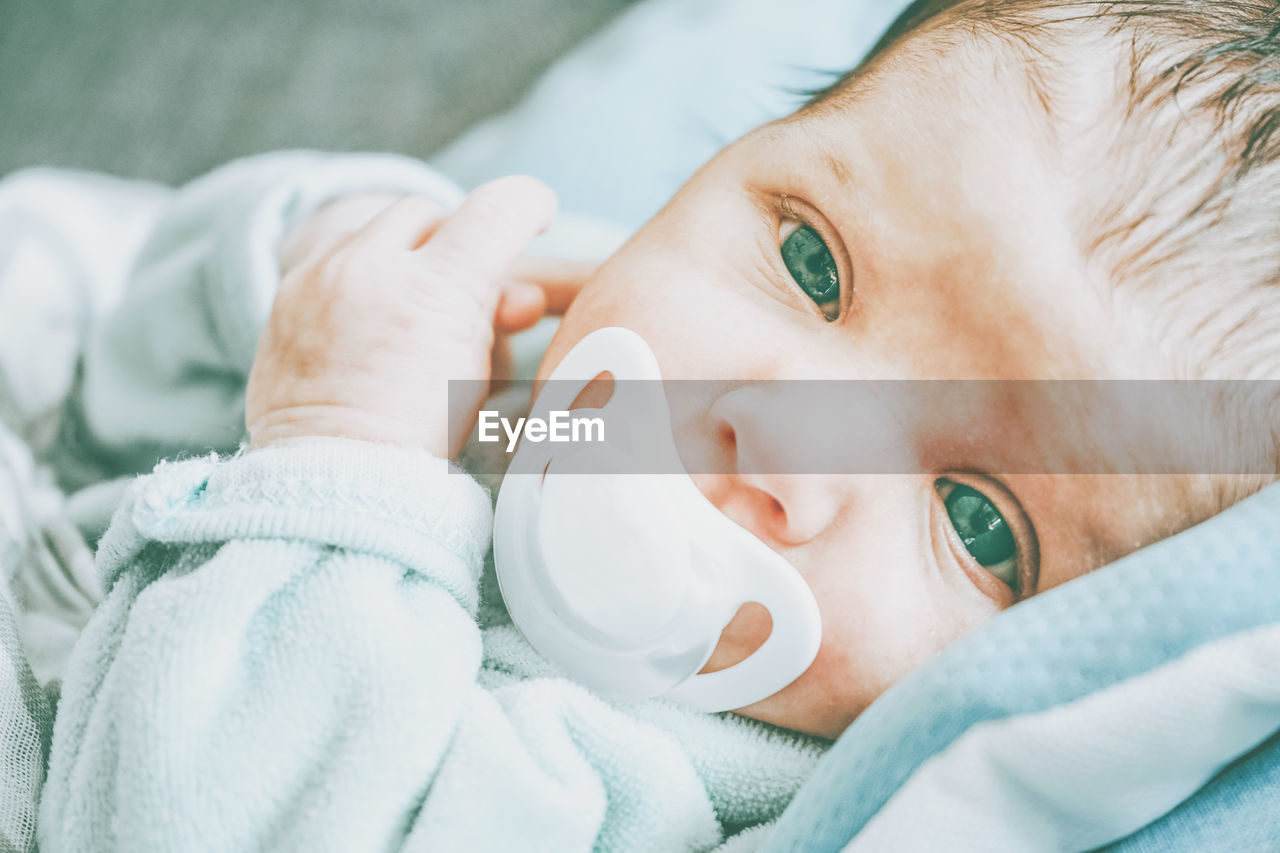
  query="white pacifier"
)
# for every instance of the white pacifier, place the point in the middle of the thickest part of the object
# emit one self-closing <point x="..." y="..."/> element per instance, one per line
<point x="626" y="580"/>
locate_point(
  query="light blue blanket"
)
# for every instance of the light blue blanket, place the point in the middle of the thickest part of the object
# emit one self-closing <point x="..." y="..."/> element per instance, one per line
<point x="1137" y="707"/>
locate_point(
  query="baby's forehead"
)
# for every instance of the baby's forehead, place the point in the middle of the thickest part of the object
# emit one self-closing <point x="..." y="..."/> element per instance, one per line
<point x="1055" y="77"/>
<point x="963" y="179"/>
<point x="962" y="230"/>
<point x="958" y="108"/>
<point x="943" y="55"/>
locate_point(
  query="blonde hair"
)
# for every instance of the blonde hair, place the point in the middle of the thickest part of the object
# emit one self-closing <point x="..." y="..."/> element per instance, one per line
<point x="1179" y="171"/>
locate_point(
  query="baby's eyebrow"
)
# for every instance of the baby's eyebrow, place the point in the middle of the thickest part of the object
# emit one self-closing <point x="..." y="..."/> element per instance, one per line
<point x="835" y="166"/>
<point x="838" y="169"/>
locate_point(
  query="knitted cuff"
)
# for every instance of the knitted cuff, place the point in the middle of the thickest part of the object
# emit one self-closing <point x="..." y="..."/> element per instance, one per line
<point x="396" y="502"/>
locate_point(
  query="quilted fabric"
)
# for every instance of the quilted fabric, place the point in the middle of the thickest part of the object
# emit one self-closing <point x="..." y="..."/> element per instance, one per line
<point x="1212" y="590"/>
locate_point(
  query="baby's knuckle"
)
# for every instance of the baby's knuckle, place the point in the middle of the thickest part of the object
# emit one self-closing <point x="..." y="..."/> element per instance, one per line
<point x="493" y="203"/>
<point x="345" y="266"/>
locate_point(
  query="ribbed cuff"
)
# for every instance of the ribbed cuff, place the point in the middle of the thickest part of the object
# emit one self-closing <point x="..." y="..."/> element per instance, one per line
<point x="395" y="502"/>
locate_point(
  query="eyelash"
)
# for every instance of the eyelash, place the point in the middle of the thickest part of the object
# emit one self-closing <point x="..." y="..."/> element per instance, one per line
<point x="787" y="208"/>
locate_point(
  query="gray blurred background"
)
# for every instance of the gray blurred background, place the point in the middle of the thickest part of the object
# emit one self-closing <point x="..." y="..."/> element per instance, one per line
<point x="167" y="89"/>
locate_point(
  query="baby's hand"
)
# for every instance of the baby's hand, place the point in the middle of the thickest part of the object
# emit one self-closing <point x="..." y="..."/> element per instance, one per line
<point x="364" y="336"/>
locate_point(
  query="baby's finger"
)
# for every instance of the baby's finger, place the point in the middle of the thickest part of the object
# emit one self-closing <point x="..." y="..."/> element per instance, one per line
<point x="560" y="279"/>
<point x="520" y="306"/>
<point x="482" y="238"/>
<point x="406" y="224"/>
<point x="501" y="366"/>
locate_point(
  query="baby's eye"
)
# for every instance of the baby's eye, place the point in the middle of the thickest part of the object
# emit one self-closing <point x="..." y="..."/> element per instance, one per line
<point x="812" y="266"/>
<point x="984" y="532"/>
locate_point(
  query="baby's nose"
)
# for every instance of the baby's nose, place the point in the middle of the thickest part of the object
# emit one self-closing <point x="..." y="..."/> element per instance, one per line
<point x="772" y="487"/>
<point x="781" y="509"/>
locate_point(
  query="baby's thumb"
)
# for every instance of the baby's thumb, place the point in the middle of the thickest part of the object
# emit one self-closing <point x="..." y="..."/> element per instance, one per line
<point x="492" y="227"/>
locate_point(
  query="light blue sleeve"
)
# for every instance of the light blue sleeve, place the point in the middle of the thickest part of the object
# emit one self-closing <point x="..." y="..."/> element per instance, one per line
<point x="282" y="657"/>
<point x="165" y="371"/>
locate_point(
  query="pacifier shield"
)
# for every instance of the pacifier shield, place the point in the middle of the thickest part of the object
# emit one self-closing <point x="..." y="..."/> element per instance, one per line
<point x="616" y="552"/>
<point x="625" y="579"/>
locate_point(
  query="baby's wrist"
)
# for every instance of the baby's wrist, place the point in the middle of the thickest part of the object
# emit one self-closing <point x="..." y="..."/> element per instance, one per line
<point x="300" y="423"/>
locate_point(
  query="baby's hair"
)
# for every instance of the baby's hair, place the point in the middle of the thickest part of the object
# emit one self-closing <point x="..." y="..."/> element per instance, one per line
<point x="1177" y="174"/>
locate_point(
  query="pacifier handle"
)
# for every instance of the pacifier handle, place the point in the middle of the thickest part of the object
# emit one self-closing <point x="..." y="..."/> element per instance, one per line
<point x="630" y="360"/>
<point x="626" y="353"/>
<point x="790" y="648"/>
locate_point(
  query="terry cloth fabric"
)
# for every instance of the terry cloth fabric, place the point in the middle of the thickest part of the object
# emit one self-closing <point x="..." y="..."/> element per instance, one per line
<point x="287" y="658"/>
<point x="1135" y="709"/>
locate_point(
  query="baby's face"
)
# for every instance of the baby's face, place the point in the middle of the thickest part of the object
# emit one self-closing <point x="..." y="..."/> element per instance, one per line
<point x="933" y="244"/>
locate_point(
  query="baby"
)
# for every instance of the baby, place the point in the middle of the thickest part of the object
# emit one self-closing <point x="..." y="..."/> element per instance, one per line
<point x="289" y="657"/>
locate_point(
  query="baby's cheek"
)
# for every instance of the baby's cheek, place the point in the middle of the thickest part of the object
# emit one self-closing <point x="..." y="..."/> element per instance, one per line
<point x="862" y="656"/>
<point x="603" y="302"/>
<point x="852" y="669"/>
<point x="827" y="698"/>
